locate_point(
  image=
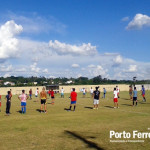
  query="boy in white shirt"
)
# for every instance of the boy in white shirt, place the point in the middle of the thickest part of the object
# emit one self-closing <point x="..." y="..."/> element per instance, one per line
<point x="115" y="98"/>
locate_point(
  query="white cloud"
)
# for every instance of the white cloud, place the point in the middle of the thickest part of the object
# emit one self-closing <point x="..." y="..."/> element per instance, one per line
<point x="125" y="19"/>
<point x="75" y="66"/>
<point x="55" y="59"/>
<point x="34" y="68"/>
<point x="65" y="49"/>
<point x="8" y="42"/>
<point x="4" y="68"/>
<point x="91" y="66"/>
<point x="138" y="22"/>
<point x="45" y="71"/>
<point x="132" y="68"/>
<point x="98" y="70"/>
<point x="34" y="23"/>
<point x="117" y="60"/>
<point x="6" y="75"/>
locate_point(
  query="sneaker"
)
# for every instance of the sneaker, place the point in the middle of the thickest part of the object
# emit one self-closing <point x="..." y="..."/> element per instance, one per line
<point x="68" y="110"/>
<point x="94" y="108"/>
<point x="45" y="111"/>
<point x="117" y="107"/>
<point x="114" y="107"/>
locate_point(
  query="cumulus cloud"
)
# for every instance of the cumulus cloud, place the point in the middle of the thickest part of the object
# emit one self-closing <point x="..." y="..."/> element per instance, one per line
<point x="132" y="68"/>
<point x="65" y="49"/>
<point x="75" y="66"/>
<point x="138" y="22"/>
<point x="34" y="68"/>
<point x="8" y="42"/>
<point x="117" y="60"/>
<point x="98" y="70"/>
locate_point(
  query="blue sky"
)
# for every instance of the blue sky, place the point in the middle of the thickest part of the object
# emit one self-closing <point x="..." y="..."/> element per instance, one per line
<point x="75" y="38"/>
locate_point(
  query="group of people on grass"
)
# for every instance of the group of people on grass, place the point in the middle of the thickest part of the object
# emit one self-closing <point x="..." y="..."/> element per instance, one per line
<point x="73" y="96"/>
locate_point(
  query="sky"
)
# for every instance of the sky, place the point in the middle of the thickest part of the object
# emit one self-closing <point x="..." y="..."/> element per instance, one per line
<point x="74" y="38"/>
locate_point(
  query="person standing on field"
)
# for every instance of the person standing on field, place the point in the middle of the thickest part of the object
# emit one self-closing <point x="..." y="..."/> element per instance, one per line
<point x="8" y="102"/>
<point x="73" y="97"/>
<point x="96" y="95"/>
<point x="30" y="94"/>
<point x="84" y="92"/>
<point x="143" y="93"/>
<point x="52" y="96"/>
<point x="62" y="93"/>
<point x="134" y="96"/>
<point x="23" y="98"/>
<point x="36" y="94"/>
<point x="104" y="92"/>
<point x="43" y="98"/>
<point x="115" y="98"/>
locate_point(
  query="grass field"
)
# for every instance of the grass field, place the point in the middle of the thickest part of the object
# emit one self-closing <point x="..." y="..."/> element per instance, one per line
<point x="83" y="129"/>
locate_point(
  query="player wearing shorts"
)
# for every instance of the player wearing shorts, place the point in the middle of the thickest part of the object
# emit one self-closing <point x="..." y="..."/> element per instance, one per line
<point x="134" y="96"/>
<point x="52" y="96"/>
<point x="30" y="94"/>
<point x="23" y="98"/>
<point x="115" y="98"/>
<point x="104" y="92"/>
<point x="84" y="92"/>
<point x="143" y="93"/>
<point x="62" y="93"/>
<point x="96" y="95"/>
<point x="43" y="97"/>
<point x="73" y="97"/>
<point x="36" y="94"/>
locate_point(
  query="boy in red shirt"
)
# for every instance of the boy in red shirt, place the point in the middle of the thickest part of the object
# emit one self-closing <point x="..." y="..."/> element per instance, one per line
<point x="52" y="96"/>
<point x="73" y="97"/>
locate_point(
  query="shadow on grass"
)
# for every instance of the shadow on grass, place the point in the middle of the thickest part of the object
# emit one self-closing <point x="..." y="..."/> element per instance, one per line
<point x="127" y="104"/>
<point x="35" y="101"/>
<point x="89" y="143"/>
<point x="38" y="110"/>
<point x="143" y="103"/>
<point x="109" y="106"/>
<point x="127" y="99"/>
<point x="19" y="111"/>
<point x="66" y="109"/>
<point x="88" y="107"/>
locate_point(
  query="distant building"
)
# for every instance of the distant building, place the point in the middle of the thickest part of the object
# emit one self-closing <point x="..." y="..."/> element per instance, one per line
<point x="69" y="82"/>
<point x="9" y="83"/>
<point x="35" y="83"/>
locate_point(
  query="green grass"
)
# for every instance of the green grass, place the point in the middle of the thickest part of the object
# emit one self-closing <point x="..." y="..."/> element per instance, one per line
<point x="83" y="129"/>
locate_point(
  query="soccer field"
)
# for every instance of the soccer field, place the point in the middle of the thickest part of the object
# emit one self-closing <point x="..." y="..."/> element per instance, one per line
<point x="83" y="129"/>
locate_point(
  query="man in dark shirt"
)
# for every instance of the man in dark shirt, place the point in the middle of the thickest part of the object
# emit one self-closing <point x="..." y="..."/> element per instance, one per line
<point x="96" y="96"/>
<point x="8" y="102"/>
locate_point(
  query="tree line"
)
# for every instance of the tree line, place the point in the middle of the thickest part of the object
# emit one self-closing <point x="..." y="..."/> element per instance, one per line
<point x="41" y="81"/>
